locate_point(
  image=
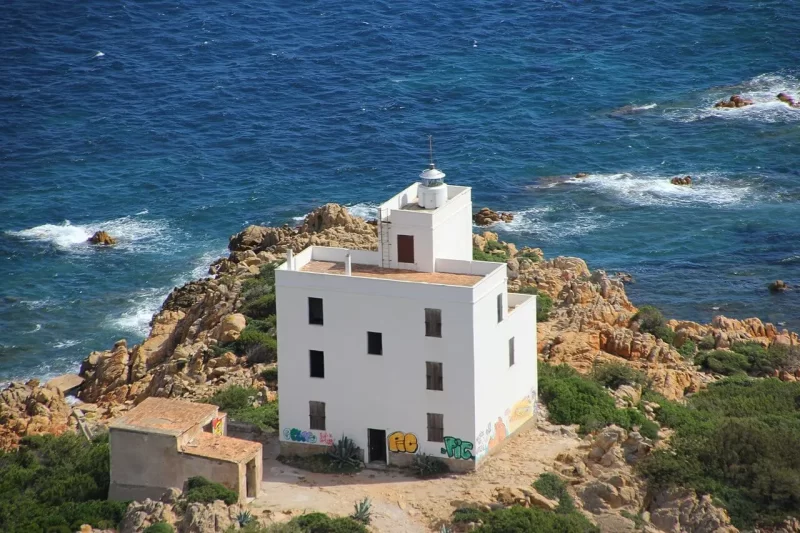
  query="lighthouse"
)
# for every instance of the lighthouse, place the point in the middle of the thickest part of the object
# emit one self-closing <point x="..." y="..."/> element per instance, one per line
<point x="432" y="191"/>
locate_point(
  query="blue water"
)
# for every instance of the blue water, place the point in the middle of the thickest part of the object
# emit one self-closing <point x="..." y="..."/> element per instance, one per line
<point x="174" y="124"/>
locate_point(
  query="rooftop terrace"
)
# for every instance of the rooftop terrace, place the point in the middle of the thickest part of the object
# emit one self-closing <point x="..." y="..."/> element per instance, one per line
<point x="374" y="271"/>
<point x="221" y="447"/>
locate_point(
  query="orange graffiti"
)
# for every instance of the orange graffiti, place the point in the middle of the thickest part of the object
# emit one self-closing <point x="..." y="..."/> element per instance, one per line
<point x="521" y="412"/>
<point x="402" y="442"/>
<point x="216" y="426"/>
<point x="499" y="433"/>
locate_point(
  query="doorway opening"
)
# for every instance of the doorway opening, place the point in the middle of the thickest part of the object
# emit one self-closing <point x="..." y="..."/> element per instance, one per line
<point x="250" y="479"/>
<point x="376" y="444"/>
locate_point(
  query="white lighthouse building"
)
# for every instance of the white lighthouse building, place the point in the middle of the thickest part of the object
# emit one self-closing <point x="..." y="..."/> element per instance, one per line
<point x="413" y="349"/>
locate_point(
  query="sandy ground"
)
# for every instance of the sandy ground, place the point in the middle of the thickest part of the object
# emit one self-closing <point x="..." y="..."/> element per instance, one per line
<point x="401" y="503"/>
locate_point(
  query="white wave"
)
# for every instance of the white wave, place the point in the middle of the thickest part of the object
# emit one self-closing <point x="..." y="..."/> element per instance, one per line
<point x="128" y="231"/>
<point x="762" y="90"/>
<point x="539" y="221"/>
<point x="643" y="107"/>
<point x="99" y="54"/>
<point x="649" y="189"/>
<point x="142" y="212"/>
<point x="65" y="344"/>
<point x="34" y="330"/>
<point x="363" y="210"/>
<point x="37" y="304"/>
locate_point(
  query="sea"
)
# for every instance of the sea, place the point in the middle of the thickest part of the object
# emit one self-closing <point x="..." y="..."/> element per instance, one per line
<point x="173" y="125"/>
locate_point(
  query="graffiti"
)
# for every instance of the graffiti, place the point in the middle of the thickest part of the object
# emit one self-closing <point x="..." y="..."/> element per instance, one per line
<point x="457" y="448"/>
<point x="513" y="418"/>
<point x="520" y="412"/>
<point x="296" y="435"/>
<point x="216" y="426"/>
<point x="402" y="442"/>
<point x="309" y="437"/>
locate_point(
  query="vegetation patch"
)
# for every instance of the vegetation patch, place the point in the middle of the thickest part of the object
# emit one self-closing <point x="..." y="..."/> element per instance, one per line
<point x="159" y="527"/>
<point x="750" y="358"/>
<point x="738" y="441"/>
<point x="56" y="484"/>
<point x="544" y="304"/>
<point x="427" y="466"/>
<point x="307" y="523"/>
<point x="201" y="490"/>
<point x="522" y="520"/>
<point x="258" y="341"/>
<point x="614" y="375"/>
<point x="652" y="321"/>
<point x="238" y="402"/>
<point x="480" y="255"/>
<point x="575" y="399"/>
<point x="552" y="486"/>
<point x="321" y="463"/>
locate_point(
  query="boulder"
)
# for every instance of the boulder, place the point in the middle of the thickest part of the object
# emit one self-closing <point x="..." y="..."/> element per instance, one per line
<point x="102" y="238"/>
<point x="677" y="510"/>
<point x="231" y="327"/>
<point x="214" y="517"/>
<point x="686" y="180"/>
<point x="486" y="217"/>
<point x="778" y="286"/>
<point x="786" y="99"/>
<point x="734" y="101"/>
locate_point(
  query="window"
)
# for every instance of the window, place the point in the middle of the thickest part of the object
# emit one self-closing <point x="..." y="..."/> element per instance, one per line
<point x="511" y="351"/>
<point x="433" y="373"/>
<point x="433" y="322"/>
<point x="315" y="311"/>
<point x="499" y="307"/>
<point x="316" y="414"/>
<point x="374" y="343"/>
<point x="317" y="363"/>
<point x="405" y="248"/>
<point x="435" y="427"/>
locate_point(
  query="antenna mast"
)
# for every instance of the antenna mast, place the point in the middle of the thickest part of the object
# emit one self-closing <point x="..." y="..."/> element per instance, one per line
<point x="430" y="147"/>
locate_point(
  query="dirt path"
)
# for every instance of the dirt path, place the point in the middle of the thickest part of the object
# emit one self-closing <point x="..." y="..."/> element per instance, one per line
<point x="401" y="503"/>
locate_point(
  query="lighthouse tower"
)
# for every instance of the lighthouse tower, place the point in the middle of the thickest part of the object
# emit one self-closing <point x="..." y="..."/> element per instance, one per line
<point x="432" y="191"/>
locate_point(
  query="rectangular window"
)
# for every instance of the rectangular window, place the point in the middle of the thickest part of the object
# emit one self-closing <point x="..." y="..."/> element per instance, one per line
<point x="433" y="373"/>
<point x="316" y="414"/>
<point x="499" y="307"/>
<point x="435" y="427"/>
<point x="315" y="311"/>
<point x="511" y="351"/>
<point x="374" y="343"/>
<point x="433" y="322"/>
<point x="317" y="363"/>
<point x="405" y="248"/>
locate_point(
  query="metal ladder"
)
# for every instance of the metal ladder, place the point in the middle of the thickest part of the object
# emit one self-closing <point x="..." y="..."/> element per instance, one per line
<point x="384" y="225"/>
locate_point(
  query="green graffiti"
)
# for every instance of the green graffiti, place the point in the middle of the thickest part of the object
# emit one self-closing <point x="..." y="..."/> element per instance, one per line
<point x="457" y="448"/>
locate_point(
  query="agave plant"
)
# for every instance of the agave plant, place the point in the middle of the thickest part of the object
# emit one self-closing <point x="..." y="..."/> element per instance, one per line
<point x="445" y="529"/>
<point x="345" y="452"/>
<point x="362" y="511"/>
<point x="244" y="518"/>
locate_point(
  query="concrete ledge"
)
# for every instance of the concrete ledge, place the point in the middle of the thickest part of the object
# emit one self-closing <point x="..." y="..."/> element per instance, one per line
<point x="302" y="449"/>
<point x="405" y="460"/>
<point x="121" y="492"/>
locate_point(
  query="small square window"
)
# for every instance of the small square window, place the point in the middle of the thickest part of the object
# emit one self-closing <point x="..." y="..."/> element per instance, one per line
<point x="433" y="322"/>
<point x="317" y="363"/>
<point x="316" y="414"/>
<point x="435" y="427"/>
<point x="511" y="351"/>
<point x="374" y="343"/>
<point x="433" y="376"/>
<point x="315" y="311"/>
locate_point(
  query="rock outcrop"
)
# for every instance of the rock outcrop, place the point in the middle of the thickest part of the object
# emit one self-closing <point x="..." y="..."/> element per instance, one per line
<point x="486" y="217"/>
<point x="31" y="409"/>
<point x="216" y="517"/>
<point x="103" y="238"/>
<point x="788" y="100"/>
<point x="734" y="101"/>
<point x="685" y="180"/>
<point x="678" y="510"/>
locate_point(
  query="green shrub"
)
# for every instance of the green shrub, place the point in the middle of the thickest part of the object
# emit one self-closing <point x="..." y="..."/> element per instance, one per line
<point x="201" y="490"/>
<point x="707" y="343"/>
<point x="523" y="520"/>
<point x="736" y="440"/>
<point x="57" y="484"/>
<point x="723" y="362"/>
<point x="251" y="337"/>
<point x="270" y="375"/>
<point x="425" y="466"/>
<point x="238" y="401"/>
<point x="322" y="523"/>
<point x="574" y="399"/>
<point x="614" y="375"/>
<point x="688" y="349"/>
<point x="480" y="255"/>
<point x="159" y="527"/>
<point x="552" y="486"/>
<point x="652" y="321"/>
<point x="234" y="398"/>
<point x="261" y="307"/>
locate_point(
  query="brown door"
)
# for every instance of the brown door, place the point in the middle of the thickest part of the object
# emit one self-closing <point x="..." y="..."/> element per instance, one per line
<point x="405" y="248"/>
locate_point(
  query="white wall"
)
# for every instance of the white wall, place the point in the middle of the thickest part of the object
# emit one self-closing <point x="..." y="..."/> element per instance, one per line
<point x="452" y="228"/>
<point x="364" y="391"/>
<point x="504" y="396"/>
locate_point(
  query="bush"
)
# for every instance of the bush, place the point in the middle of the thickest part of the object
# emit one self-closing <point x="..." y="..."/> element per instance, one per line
<point x="723" y="362"/>
<point x="552" y="486"/>
<point x="736" y="440"/>
<point x="322" y="523"/>
<point x="688" y="349"/>
<point x="261" y="307"/>
<point x="707" y="343"/>
<point x="238" y="401"/>
<point x="234" y="398"/>
<point x="480" y="255"/>
<point x="201" y="490"/>
<point x="544" y="304"/>
<point x="523" y="520"/>
<point x="652" y="321"/>
<point x="270" y="375"/>
<point x="57" y="484"/>
<point x="425" y="466"/>
<point x="614" y="375"/>
<point x="252" y="337"/>
<point x="159" y="527"/>
<point x="574" y="399"/>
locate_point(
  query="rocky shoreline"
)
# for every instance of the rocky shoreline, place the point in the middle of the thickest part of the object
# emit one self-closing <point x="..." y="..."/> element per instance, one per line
<point x="592" y="321"/>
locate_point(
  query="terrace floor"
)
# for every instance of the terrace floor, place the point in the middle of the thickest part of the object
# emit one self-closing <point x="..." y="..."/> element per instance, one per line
<point x="371" y="271"/>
